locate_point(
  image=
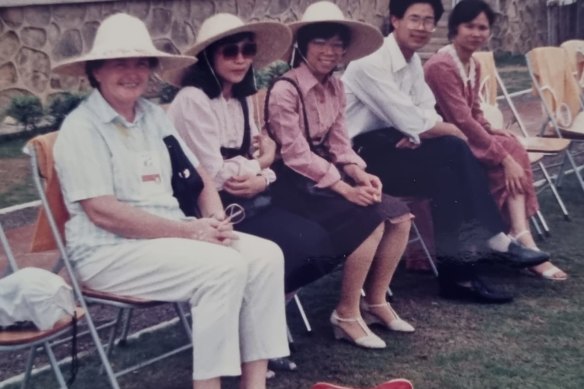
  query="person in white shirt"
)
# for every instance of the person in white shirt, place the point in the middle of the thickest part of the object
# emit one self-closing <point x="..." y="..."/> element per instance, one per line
<point x="395" y="128"/>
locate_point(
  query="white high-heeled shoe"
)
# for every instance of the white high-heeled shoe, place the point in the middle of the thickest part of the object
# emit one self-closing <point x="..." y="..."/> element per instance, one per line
<point x="370" y="340"/>
<point x="397" y="324"/>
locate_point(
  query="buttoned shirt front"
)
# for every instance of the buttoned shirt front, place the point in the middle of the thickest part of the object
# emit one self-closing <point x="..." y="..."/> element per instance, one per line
<point x="99" y="153"/>
<point x="325" y="105"/>
<point x="385" y="90"/>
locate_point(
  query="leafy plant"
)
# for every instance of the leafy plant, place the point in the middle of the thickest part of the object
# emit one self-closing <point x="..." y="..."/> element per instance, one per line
<point x="265" y="76"/>
<point x="28" y="110"/>
<point x="62" y="105"/>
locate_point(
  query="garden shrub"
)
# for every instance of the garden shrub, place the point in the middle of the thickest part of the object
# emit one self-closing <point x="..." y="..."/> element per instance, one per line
<point x="61" y="105"/>
<point x="28" y="110"/>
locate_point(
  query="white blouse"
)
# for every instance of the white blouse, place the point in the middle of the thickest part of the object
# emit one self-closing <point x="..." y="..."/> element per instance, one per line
<point x="207" y="125"/>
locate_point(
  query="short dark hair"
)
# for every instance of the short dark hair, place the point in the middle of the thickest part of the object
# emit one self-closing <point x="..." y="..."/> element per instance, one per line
<point x="466" y="11"/>
<point x="323" y="30"/>
<point x="201" y="75"/>
<point x="91" y="66"/>
<point x="398" y="8"/>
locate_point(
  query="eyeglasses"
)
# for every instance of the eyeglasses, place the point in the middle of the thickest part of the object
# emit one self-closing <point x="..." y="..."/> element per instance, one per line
<point x="337" y="47"/>
<point x="414" y="22"/>
<point x="234" y="213"/>
<point x="232" y="50"/>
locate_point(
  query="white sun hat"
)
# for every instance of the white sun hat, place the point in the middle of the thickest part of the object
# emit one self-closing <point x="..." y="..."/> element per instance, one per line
<point x="122" y="36"/>
<point x="271" y="38"/>
<point x="365" y="38"/>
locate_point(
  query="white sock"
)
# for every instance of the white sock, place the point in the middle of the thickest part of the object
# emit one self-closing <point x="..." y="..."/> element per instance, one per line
<point x="499" y="242"/>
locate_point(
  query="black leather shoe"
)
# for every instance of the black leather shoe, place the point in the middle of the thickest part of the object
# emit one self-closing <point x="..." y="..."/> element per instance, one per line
<point x="477" y="292"/>
<point x="520" y="256"/>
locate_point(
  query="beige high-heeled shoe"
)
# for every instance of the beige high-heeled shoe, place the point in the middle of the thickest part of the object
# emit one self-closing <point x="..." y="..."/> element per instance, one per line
<point x="370" y="340"/>
<point x="397" y="324"/>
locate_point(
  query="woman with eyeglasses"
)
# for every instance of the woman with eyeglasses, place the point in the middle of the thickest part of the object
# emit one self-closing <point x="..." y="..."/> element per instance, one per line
<point x="454" y="77"/>
<point x="322" y="178"/>
<point x="213" y="113"/>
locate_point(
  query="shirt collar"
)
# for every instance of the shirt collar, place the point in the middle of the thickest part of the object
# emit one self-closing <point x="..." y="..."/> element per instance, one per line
<point x="398" y="61"/>
<point x="107" y="114"/>
<point x="307" y="80"/>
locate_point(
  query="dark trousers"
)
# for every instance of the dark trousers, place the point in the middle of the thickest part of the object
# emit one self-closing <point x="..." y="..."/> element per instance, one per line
<point x="308" y="252"/>
<point x="445" y="171"/>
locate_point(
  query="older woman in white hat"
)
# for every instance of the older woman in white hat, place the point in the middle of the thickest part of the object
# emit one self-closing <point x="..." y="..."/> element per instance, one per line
<point x="127" y="233"/>
<point x="213" y="114"/>
<point x="322" y="178"/>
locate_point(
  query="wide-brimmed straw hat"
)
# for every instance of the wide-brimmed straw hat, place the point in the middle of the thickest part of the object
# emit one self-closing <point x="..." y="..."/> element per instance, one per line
<point x="122" y="36"/>
<point x="271" y="38"/>
<point x="365" y="38"/>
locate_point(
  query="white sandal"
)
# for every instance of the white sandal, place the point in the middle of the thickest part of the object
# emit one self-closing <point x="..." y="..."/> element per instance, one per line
<point x="397" y="324"/>
<point x="549" y="274"/>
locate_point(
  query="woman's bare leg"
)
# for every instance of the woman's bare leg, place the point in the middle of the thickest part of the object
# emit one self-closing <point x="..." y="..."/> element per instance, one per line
<point x="355" y="272"/>
<point x="253" y="374"/>
<point x="212" y="383"/>
<point x="387" y="257"/>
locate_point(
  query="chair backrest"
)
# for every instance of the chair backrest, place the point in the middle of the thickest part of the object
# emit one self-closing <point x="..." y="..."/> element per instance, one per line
<point x="488" y="79"/>
<point x="12" y="266"/>
<point x="44" y="166"/>
<point x="575" y="49"/>
<point x="553" y="80"/>
<point x="491" y="82"/>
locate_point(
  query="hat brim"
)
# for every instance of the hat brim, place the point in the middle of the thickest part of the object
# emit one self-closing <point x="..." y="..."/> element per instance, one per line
<point x="271" y="38"/>
<point x="365" y="39"/>
<point x="166" y="61"/>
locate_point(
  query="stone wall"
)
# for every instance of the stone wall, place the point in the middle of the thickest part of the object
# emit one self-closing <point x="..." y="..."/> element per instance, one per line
<point x="521" y="25"/>
<point x="33" y="38"/>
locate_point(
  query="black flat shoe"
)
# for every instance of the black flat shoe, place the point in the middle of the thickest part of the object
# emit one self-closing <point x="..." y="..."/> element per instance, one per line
<point x="477" y="292"/>
<point x="520" y="256"/>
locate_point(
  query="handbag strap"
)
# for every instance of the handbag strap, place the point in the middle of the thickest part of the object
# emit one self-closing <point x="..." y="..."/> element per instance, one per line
<point x="304" y="116"/>
<point x="244" y="150"/>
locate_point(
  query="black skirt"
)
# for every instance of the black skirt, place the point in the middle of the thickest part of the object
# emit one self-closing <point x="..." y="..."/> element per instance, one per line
<point x="348" y="224"/>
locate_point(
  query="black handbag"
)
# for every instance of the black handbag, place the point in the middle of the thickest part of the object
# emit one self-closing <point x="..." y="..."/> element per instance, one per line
<point x="186" y="182"/>
<point x="283" y="172"/>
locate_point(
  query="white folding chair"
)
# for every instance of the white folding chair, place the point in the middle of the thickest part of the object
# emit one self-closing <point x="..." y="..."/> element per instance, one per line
<point x="537" y="147"/>
<point x="124" y="304"/>
<point x="553" y="80"/>
<point x="32" y="339"/>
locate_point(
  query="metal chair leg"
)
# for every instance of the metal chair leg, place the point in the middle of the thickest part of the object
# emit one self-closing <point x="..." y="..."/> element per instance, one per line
<point x="28" y="370"/>
<point x="302" y="314"/>
<point x="537" y="228"/>
<point x="55" y="366"/>
<point x="180" y="311"/>
<point x="126" y="327"/>
<point x="425" y="249"/>
<point x="543" y="223"/>
<point x="554" y="190"/>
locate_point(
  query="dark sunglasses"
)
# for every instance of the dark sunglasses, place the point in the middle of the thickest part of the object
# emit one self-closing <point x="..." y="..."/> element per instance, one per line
<point x="232" y="50"/>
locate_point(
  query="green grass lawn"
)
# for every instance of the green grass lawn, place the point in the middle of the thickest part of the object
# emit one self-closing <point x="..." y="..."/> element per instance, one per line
<point x="16" y="185"/>
<point x="535" y="342"/>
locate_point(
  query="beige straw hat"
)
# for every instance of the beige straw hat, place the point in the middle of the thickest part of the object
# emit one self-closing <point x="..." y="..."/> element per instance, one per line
<point x="271" y="38"/>
<point x="122" y="36"/>
<point x="365" y="38"/>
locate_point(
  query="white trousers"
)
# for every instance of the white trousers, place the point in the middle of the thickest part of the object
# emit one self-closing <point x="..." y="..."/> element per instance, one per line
<point x="236" y="293"/>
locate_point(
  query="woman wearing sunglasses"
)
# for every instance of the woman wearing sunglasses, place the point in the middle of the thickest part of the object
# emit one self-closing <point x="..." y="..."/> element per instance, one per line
<point x="213" y="113"/>
<point x="322" y="178"/>
<point x="454" y="77"/>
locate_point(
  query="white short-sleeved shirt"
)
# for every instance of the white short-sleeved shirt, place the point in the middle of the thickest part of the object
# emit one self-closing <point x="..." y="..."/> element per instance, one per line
<point x="99" y="153"/>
